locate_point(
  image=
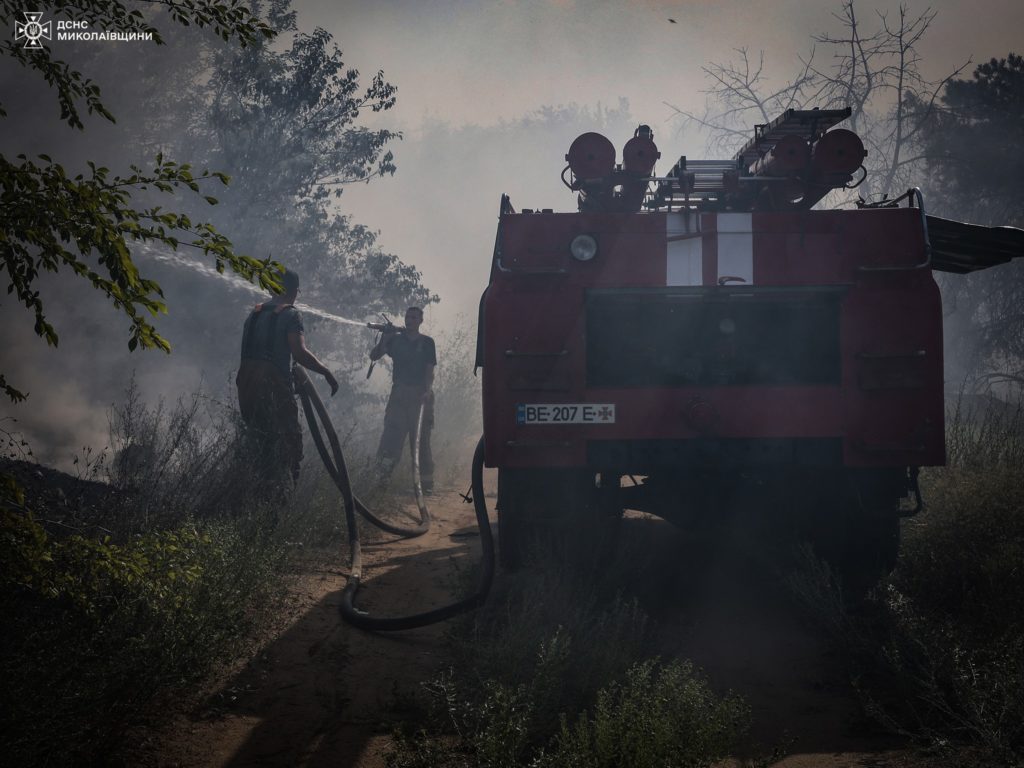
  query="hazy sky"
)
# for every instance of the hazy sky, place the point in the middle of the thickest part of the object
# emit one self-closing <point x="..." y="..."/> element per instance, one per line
<point x="478" y="61"/>
<point x="469" y="77"/>
<point x="482" y="62"/>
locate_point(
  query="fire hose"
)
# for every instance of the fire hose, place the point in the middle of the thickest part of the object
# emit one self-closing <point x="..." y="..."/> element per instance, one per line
<point x="334" y="461"/>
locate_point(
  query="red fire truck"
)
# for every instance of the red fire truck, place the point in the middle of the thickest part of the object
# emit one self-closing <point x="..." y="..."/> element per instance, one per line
<point x="680" y="336"/>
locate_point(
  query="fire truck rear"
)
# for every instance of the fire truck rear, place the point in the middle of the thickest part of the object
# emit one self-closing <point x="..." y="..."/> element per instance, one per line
<point x="681" y="336"/>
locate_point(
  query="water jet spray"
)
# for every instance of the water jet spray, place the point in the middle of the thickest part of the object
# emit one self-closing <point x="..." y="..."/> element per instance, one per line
<point x="234" y="281"/>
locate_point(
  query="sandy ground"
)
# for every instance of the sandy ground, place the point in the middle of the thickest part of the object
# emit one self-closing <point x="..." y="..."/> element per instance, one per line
<point x="318" y="694"/>
<point x="314" y="695"/>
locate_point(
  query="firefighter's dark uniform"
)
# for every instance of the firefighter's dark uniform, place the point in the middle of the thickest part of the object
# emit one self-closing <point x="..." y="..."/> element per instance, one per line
<point x="410" y="358"/>
<point x="265" y="392"/>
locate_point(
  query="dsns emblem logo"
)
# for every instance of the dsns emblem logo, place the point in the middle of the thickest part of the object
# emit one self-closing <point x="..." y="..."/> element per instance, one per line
<point x="33" y="30"/>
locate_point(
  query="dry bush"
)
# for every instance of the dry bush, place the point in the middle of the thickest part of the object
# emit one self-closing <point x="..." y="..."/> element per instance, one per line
<point x="556" y="664"/>
<point x="165" y="574"/>
<point x="938" y="652"/>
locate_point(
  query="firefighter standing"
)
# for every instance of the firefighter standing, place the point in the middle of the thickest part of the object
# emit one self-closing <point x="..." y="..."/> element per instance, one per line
<point x="414" y="358"/>
<point x="271" y="339"/>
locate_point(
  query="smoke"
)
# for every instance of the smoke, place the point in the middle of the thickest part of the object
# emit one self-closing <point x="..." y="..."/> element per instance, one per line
<point x="451" y="219"/>
<point x="441" y="209"/>
<point x="65" y="411"/>
<point x="473" y="85"/>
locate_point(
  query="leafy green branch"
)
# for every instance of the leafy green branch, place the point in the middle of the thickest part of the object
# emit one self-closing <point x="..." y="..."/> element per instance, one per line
<point x="49" y="220"/>
<point x="85" y="223"/>
<point x="72" y="87"/>
<point x="229" y="19"/>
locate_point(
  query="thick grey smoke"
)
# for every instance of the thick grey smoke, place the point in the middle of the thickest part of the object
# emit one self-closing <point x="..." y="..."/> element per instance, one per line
<point x="447" y="222"/>
<point x="473" y="85"/>
<point x="73" y="388"/>
<point x="473" y="69"/>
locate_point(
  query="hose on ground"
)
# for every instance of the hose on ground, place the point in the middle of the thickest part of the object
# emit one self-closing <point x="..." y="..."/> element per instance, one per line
<point x="334" y="461"/>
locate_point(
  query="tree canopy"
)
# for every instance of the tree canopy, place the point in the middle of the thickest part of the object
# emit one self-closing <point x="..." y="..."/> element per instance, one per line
<point x="283" y="123"/>
<point x="973" y="142"/>
<point x="279" y="121"/>
<point x="287" y="122"/>
<point x="51" y="220"/>
<point x="976" y="173"/>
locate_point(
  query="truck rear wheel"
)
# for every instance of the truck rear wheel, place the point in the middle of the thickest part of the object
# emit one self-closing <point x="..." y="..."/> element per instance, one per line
<point x="548" y="513"/>
<point x="856" y="526"/>
<point x="869" y="552"/>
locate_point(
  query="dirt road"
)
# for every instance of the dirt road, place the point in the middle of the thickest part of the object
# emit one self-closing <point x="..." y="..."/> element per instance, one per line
<point x="317" y="694"/>
<point x="313" y="696"/>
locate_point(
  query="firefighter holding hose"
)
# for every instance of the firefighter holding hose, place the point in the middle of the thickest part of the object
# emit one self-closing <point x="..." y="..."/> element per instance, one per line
<point x="271" y="339"/>
<point x="414" y="358"/>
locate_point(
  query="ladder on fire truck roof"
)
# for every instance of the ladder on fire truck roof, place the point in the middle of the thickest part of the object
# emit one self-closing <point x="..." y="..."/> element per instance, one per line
<point x="808" y="124"/>
<point x="711" y="178"/>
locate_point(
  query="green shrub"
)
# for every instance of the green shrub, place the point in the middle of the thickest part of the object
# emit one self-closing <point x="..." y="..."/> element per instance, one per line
<point x="954" y="612"/>
<point x="523" y="660"/>
<point x="659" y="716"/>
<point x="505" y="722"/>
<point x="939" y="653"/>
<point x="96" y="631"/>
<point x="954" y="608"/>
<point x="488" y="723"/>
<point x="530" y="607"/>
<point x="101" y="629"/>
<point x="553" y="643"/>
<point x="962" y="559"/>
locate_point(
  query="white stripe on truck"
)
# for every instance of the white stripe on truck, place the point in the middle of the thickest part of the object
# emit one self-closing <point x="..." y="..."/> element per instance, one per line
<point x="735" y="247"/>
<point x="684" y="252"/>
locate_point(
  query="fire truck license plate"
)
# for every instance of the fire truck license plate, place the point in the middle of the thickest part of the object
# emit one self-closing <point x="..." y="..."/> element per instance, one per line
<point x="565" y="413"/>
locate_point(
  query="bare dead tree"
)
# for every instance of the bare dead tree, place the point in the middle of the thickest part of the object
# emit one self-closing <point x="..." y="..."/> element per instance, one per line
<point x="874" y="72"/>
<point x="739" y="96"/>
